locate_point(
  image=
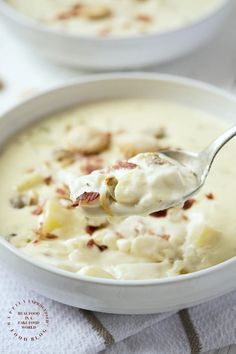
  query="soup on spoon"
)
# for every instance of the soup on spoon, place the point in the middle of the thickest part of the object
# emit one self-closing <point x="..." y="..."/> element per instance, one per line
<point x="144" y="184"/>
<point x="155" y="182"/>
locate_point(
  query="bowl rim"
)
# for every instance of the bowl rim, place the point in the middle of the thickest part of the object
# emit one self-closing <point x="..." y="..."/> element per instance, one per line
<point x="168" y="78"/>
<point x="31" y="24"/>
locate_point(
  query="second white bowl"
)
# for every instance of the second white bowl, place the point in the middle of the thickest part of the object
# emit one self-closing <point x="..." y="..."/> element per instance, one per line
<point x="112" y="53"/>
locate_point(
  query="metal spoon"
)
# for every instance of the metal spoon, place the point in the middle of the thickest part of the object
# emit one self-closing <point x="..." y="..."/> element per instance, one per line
<point x="201" y="162"/>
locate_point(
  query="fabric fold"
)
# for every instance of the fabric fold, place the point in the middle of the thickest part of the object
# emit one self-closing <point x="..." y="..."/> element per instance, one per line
<point x="201" y="328"/>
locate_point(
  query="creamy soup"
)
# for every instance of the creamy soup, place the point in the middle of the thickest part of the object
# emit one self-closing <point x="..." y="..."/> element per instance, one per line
<point x="115" y="17"/>
<point x="39" y="164"/>
<point x="144" y="184"/>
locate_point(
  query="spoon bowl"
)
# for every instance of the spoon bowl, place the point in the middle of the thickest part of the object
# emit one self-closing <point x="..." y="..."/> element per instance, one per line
<point x="100" y="194"/>
<point x="200" y="163"/>
<point x="193" y="161"/>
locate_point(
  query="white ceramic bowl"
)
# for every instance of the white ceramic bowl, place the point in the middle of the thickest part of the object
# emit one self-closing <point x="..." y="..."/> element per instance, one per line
<point x="117" y="296"/>
<point x="96" y="53"/>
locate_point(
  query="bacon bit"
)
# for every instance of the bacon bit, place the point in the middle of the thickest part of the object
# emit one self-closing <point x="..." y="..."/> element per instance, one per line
<point x="85" y="198"/>
<point x="165" y="237"/>
<point x="36" y="241"/>
<point x="144" y="18"/>
<point x="91" y="164"/>
<point x="90" y="243"/>
<point x="63" y="192"/>
<point x="38" y="210"/>
<point x="189" y="203"/>
<point x="210" y="196"/>
<point x="73" y="12"/>
<point x="160" y="213"/>
<point x="69" y="206"/>
<point x="124" y="164"/>
<point x="102" y="247"/>
<point x="51" y="236"/>
<point x="48" y="180"/>
<point x="42" y="236"/>
<point x="91" y="229"/>
<point x="77" y="7"/>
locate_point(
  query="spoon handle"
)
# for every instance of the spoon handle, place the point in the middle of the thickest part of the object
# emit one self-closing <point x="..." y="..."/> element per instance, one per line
<point x="212" y="150"/>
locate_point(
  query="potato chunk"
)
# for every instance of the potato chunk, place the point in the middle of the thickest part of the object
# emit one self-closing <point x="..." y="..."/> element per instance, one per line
<point x="145" y="246"/>
<point x="55" y="216"/>
<point x="208" y="236"/>
<point x="204" y="235"/>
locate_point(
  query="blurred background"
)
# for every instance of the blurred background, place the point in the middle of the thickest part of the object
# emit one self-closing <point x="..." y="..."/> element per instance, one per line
<point x="23" y="74"/>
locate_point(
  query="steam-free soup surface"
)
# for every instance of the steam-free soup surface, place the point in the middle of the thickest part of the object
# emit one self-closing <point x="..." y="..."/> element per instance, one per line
<point x="40" y="163"/>
<point x="112" y="17"/>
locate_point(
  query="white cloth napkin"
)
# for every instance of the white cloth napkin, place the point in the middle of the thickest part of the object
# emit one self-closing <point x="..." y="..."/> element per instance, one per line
<point x="75" y="331"/>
